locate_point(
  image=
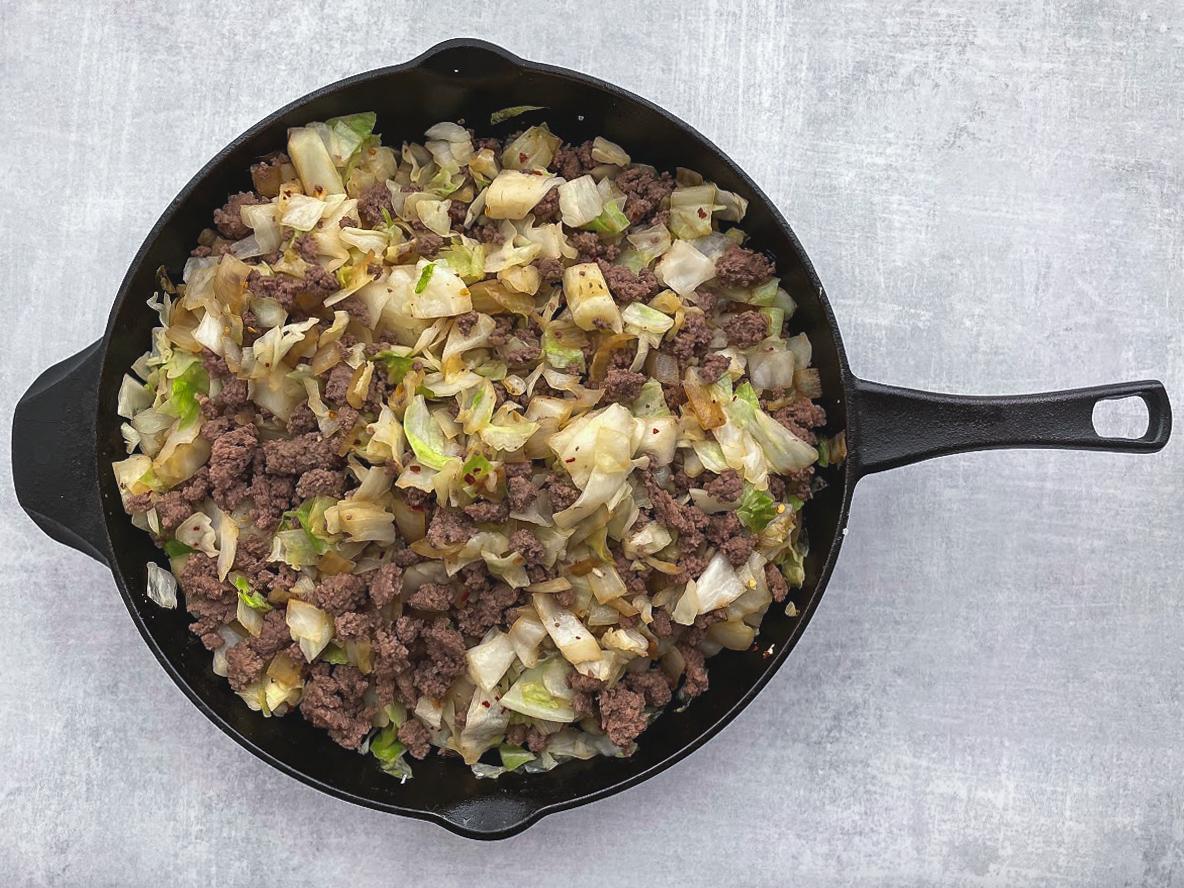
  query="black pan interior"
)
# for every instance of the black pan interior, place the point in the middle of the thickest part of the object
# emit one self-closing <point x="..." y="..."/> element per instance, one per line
<point x="464" y="81"/>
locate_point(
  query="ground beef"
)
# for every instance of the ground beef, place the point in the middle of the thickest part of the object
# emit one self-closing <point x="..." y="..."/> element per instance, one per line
<point x="695" y="672"/>
<point x="488" y="511"/>
<point x="590" y="247"/>
<point x="284" y="288"/>
<point x="520" y="491"/>
<point x="621" y="714"/>
<point x="547" y="209"/>
<point x="273" y="637"/>
<point x="652" y="684"/>
<point x="306" y="247"/>
<point x="272" y="496"/>
<point x="522" y="349"/>
<point x="211" y="603"/>
<point x="739" y="267"/>
<point x="302" y="420"/>
<point x="724" y="526"/>
<point x="431" y="597"/>
<point x="622" y="386"/>
<point x="726" y="486"/>
<point x="480" y="612"/>
<point x="371" y="202"/>
<point x="536" y="740"/>
<point x="385" y="584"/>
<point x="801" y="417"/>
<point x="172" y="509"/>
<point x="338" y="384"/>
<point x="645" y="190"/>
<point x="334" y="699"/>
<point x="634" y="579"/>
<point x="660" y="623"/>
<point x="563" y="493"/>
<point x="445" y="658"/>
<point x="516" y="734"/>
<point x="448" y="529"/>
<point x="340" y="593"/>
<point x="232" y="396"/>
<point x="775" y="579"/>
<point x="550" y="271"/>
<point x="466" y="322"/>
<point x="713" y="367"/>
<point x="746" y="329"/>
<point x="528" y="546"/>
<point x="231" y="457"/>
<point x="427" y="243"/>
<point x="737" y="548"/>
<point x="626" y="286"/>
<point x="295" y="456"/>
<point x="139" y="503"/>
<point x="705" y="299"/>
<point x="321" y="482"/>
<point x="243" y="666"/>
<point x="414" y="735"/>
<point x="489" y="233"/>
<point x="573" y="161"/>
<point x="692" y="339"/>
<point x="197" y="488"/>
<point x="674" y="395"/>
<point x="228" y="220"/>
<point x="688" y="521"/>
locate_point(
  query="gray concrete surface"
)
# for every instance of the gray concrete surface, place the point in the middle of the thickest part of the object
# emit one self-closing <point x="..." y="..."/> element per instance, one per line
<point x="990" y="693"/>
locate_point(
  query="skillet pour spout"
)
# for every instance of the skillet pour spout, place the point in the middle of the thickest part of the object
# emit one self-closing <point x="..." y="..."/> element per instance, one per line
<point x="66" y="433"/>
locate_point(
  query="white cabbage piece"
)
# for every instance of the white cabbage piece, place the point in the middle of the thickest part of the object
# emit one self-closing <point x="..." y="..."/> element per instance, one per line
<point x="438" y="293"/>
<point x="310" y="626"/>
<point x="425" y="435"/>
<point x="784" y="451"/>
<point x="313" y="164"/>
<point x="134" y="396"/>
<point x="570" y="635"/>
<point x="542" y="692"/>
<point x="580" y="201"/>
<point x="512" y="194"/>
<point x="591" y="303"/>
<point x="303" y="212"/>
<point x="682" y="268"/>
<point x="162" y="586"/>
<point x="485" y="725"/>
<point x="260" y="218"/>
<point x="489" y="660"/>
<point x="526" y="635"/>
<point x="604" y="151"/>
<point x="197" y="532"/>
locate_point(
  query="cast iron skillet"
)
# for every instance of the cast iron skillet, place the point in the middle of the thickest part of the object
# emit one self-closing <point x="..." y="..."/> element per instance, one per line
<point x="66" y="433"/>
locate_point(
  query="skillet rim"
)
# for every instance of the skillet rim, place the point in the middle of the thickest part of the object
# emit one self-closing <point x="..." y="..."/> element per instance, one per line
<point x="456" y="820"/>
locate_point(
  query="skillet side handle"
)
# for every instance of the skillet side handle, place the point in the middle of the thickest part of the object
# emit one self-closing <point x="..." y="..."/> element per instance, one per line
<point x="53" y="453"/>
<point x="899" y="426"/>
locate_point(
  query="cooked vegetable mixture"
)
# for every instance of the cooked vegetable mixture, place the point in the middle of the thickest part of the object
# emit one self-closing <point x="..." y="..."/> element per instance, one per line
<point x="469" y="445"/>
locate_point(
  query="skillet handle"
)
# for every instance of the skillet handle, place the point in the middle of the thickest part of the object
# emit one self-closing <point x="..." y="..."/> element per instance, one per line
<point x="54" y="468"/>
<point x="898" y="426"/>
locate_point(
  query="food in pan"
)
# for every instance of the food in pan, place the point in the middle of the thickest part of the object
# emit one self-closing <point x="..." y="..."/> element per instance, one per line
<point x="473" y="445"/>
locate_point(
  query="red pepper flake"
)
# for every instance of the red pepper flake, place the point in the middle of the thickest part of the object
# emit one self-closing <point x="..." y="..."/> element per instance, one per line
<point x="702" y="213"/>
<point x="570" y="459"/>
<point x="414" y="468"/>
<point x="485" y="703"/>
<point x="522" y="158"/>
<point x="653" y="431"/>
<point x="469" y="479"/>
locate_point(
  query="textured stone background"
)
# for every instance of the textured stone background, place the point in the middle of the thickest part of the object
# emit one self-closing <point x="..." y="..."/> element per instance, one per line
<point x="990" y="693"/>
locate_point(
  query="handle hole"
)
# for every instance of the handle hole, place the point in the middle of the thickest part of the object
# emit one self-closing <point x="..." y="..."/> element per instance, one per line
<point x="1121" y="417"/>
